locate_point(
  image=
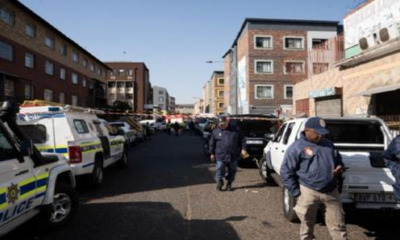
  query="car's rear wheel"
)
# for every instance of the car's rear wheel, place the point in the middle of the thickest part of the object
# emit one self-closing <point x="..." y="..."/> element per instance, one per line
<point x="124" y="161"/>
<point x="264" y="170"/>
<point x="289" y="202"/>
<point x="97" y="178"/>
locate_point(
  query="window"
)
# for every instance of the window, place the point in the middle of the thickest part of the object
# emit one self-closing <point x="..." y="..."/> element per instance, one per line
<point x="279" y="135"/>
<point x="220" y="105"/>
<point x="355" y="132"/>
<point x="84" y="62"/>
<point x="7" y="16"/>
<point x="220" y="93"/>
<point x="27" y="91"/>
<point x="48" y="95"/>
<point x="75" y="78"/>
<point x="161" y="92"/>
<point x="9" y="88"/>
<point x="128" y="85"/>
<point x="121" y="72"/>
<point x="294" y="67"/>
<point x="111" y="84"/>
<point x="63" y="74"/>
<point x="98" y="71"/>
<point x="130" y="72"/>
<point x="49" y="41"/>
<point x="320" y="67"/>
<point x="74" y="100"/>
<point x="81" y="126"/>
<point x="91" y="84"/>
<point x="294" y="42"/>
<point x="6" y="51"/>
<point x="83" y="82"/>
<point x="288" y="92"/>
<point x="263" y="42"/>
<point x="129" y="96"/>
<point x="75" y="57"/>
<point x="29" y="60"/>
<point x="264" y="66"/>
<point x="30" y="30"/>
<point x="161" y="99"/>
<point x="287" y="133"/>
<point x="320" y="44"/>
<point x="49" y="68"/>
<point x="62" y="97"/>
<point x="64" y="49"/>
<point x="264" y="91"/>
<point x="120" y="84"/>
<point x="220" y="81"/>
<point x="92" y="67"/>
<point x="37" y="133"/>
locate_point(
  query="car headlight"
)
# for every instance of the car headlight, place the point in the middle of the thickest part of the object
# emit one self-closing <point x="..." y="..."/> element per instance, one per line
<point x="254" y="142"/>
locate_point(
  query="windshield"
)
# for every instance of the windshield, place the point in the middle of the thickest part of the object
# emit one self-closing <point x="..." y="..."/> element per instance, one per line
<point x="362" y="132"/>
<point x="255" y="128"/>
<point x="118" y="124"/>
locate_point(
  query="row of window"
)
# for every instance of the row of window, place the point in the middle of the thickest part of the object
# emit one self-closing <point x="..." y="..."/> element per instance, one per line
<point x="122" y="72"/>
<point x="289" y="42"/>
<point x="128" y="96"/>
<point x="120" y="84"/>
<point x="267" y="91"/>
<point x="7" y="52"/>
<point x="49" y="96"/>
<point x="263" y="66"/>
<point x="8" y="16"/>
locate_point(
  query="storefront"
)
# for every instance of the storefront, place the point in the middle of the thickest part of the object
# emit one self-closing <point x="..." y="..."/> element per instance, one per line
<point x="328" y="102"/>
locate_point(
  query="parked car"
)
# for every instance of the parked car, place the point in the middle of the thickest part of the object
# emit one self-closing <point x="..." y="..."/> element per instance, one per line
<point x="32" y="183"/>
<point x="128" y="132"/>
<point x="361" y="141"/>
<point x="258" y="130"/>
<point x="88" y="143"/>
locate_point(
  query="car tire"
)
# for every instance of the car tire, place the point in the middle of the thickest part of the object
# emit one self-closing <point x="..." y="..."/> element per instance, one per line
<point x="124" y="161"/>
<point x="265" y="171"/>
<point x="65" y="206"/>
<point x="97" y="176"/>
<point x="289" y="202"/>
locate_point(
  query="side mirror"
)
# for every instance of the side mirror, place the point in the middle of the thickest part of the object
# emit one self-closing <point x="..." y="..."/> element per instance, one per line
<point x="26" y="148"/>
<point x="269" y="136"/>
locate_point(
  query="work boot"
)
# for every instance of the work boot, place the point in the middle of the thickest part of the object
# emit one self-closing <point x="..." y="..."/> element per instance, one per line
<point x="229" y="187"/>
<point x="220" y="184"/>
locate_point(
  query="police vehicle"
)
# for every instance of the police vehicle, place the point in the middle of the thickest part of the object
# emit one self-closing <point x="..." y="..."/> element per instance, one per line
<point x="128" y="132"/>
<point x="31" y="183"/>
<point x="361" y="141"/>
<point x="89" y="144"/>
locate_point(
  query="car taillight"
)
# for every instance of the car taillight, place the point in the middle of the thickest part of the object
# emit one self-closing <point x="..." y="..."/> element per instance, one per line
<point x="75" y="154"/>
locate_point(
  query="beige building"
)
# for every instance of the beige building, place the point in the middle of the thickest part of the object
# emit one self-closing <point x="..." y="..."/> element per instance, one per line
<point x="217" y="93"/>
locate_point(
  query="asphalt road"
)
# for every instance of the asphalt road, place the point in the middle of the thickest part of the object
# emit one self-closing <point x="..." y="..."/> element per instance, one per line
<point x="168" y="192"/>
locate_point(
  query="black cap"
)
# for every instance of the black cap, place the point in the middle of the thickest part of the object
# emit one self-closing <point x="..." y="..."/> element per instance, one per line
<point x="318" y="124"/>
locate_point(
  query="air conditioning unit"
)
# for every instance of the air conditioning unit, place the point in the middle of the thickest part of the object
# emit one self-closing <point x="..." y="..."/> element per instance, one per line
<point x="369" y="41"/>
<point x="389" y="33"/>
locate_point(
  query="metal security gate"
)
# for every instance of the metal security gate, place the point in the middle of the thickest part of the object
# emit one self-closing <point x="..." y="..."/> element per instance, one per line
<point x="329" y="107"/>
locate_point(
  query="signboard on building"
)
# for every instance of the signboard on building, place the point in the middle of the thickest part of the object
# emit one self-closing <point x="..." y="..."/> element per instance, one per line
<point x="369" y="20"/>
<point x="326" y="92"/>
<point x="243" y="104"/>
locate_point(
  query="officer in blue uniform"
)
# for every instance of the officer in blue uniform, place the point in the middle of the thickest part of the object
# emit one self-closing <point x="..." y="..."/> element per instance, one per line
<point x="309" y="171"/>
<point x="392" y="159"/>
<point x="226" y="146"/>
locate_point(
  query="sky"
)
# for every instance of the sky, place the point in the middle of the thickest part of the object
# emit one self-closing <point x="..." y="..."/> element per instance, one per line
<point x="174" y="38"/>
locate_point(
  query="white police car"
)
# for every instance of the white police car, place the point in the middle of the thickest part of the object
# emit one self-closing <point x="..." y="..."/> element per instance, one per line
<point x="31" y="183"/>
<point x="89" y="143"/>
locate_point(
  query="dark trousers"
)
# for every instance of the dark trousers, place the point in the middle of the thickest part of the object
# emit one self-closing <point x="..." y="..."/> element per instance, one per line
<point x="226" y="170"/>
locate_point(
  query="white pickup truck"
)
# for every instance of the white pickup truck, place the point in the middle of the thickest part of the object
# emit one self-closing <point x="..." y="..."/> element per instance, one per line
<point x="361" y="141"/>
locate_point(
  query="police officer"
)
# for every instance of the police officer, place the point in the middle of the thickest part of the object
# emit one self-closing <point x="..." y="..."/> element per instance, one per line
<point x="226" y="146"/>
<point x="392" y="159"/>
<point x="309" y="171"/>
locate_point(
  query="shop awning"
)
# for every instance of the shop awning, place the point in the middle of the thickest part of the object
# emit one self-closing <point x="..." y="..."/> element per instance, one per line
<point x="377" y="90"/>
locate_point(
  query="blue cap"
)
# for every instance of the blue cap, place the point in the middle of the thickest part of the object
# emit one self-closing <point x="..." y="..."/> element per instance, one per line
<point x="318" y="124"/>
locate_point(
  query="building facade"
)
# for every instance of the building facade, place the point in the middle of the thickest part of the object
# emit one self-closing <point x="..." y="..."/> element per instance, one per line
<point x="172" y="104"/>
<point x="130" y="82"/>
<point x="38" y="61"/>
<point x="185" y="108"/>
<point x="217" y="93"/>
<point x="161" y="98"/>
<point x="266" y="59"/>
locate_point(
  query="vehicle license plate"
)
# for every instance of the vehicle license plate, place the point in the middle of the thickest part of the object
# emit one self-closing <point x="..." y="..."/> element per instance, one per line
<point x="254" y="142"/>
<point x="374" y="197"/>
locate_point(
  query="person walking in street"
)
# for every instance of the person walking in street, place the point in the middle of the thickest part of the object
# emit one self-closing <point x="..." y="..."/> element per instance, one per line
<point x="169" y="127"/>
<point x="310" y="171"/>
<point x="392" y="160"/>
<point x="226" y="146"/>
<point x="176" y="128"/>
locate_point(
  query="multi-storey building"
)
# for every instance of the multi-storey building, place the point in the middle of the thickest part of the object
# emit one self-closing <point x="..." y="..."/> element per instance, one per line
<point x="130" y="82"/>
<point x="172" y="104"/>
<point x="267" y="58"/>
<point x="38" y="61"/>
<point x="185" y="108"/>
<point x="161" y="98"/>
<point x="217" y="93"/>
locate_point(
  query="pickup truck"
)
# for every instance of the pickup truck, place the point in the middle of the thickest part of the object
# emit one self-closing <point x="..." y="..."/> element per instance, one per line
<point x="32" y="183"/>
<point x="361" y="141"/>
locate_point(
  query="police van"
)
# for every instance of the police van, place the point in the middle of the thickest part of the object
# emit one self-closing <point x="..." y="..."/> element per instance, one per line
<point x="31" y="183"/>
<point x="89" y="143"/>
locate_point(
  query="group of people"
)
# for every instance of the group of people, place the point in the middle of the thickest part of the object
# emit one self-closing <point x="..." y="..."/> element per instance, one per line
<point x="311" y="170"/>
<point x="179" y="127"/>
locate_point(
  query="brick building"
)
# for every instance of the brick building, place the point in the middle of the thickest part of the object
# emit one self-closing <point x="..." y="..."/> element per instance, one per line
<point x="38" y="61"/>
<point x="130" y="82"/>
<point x="266" y="59"/>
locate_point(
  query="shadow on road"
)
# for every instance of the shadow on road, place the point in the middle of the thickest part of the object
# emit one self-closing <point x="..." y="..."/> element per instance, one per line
<point x="135" y="220"/>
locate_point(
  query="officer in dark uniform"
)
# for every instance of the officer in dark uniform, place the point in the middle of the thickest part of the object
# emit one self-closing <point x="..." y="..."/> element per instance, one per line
<point x="392" y="159"/>
<point x="226" y="145"/>
<point x="309" y="171"/>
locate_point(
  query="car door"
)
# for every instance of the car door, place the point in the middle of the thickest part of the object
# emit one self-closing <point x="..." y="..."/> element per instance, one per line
<point x="17" y="180"/>
<point x="284" y="144"/>
<point x="275" y="147"/>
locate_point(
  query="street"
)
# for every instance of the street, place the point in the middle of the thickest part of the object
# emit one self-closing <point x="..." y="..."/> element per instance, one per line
<point x="168" y="192"/>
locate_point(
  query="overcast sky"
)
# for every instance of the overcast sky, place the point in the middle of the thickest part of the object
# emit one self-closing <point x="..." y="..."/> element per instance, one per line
<point x="173" y="37"/>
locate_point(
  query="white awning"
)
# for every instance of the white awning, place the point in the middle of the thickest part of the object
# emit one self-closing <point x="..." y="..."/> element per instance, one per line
<point x="377" y="90"/>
